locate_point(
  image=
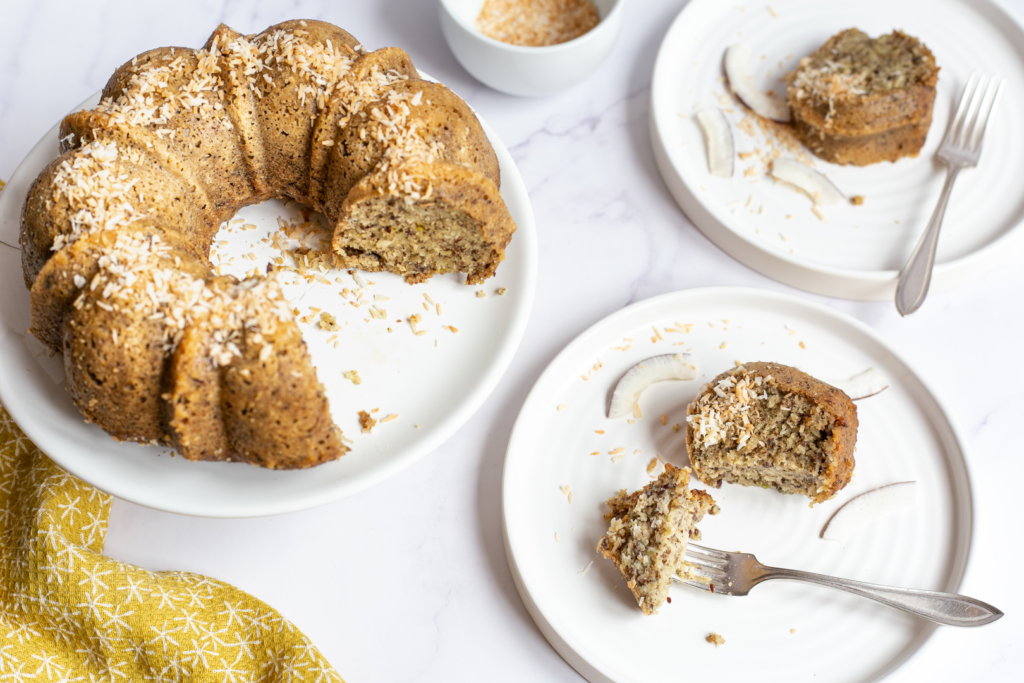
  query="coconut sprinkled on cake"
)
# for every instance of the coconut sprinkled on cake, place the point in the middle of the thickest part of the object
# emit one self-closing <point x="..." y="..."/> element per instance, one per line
<point x="137" y="274"/>
<point x="99" y="190"/>
<point x="852" y="65"/>
<point x="721" y="413"/>
<point x="320" y="66"/>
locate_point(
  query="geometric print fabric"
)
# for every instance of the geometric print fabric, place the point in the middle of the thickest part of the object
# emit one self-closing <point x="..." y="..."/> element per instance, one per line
<point x="69" y="613"/>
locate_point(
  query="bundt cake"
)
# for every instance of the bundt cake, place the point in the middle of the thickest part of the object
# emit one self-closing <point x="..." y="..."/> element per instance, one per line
<point x="771" y="425"/>
<point x="648" y="533"/>
<point x="116" y="232"/>
<point x="860" y="100"/>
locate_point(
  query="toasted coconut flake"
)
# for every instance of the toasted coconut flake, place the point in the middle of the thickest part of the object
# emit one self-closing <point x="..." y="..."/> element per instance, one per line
<point x="818" y="187"/>
<point x="656" y="369"/>
<point x="867" y="506"/>
<point x="867" y="383"/>
<point x="718" y="136"/>
<point x="742" y="85"/>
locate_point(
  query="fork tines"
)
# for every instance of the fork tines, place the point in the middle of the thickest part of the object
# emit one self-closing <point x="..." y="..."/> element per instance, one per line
<point x="976" y="105"/>
<point x="706" y="563"/>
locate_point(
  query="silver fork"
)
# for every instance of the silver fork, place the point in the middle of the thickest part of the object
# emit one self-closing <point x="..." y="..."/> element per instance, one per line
<point x="961" y="148"/>
<point x="736" y="573"/>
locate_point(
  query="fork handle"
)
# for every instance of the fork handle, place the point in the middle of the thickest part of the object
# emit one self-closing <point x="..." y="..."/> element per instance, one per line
<point x="912" y="287"/>
<point x="944" y="608"/>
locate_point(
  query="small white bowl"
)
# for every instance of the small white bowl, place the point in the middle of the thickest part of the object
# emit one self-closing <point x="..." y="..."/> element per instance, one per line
<point x="528" y="71"/>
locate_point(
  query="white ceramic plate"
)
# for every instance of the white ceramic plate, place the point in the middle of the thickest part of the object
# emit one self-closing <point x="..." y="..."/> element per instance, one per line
<point x="433" y="382"/>
<point x="857" y="251"/>
<point x="593" y="621"/>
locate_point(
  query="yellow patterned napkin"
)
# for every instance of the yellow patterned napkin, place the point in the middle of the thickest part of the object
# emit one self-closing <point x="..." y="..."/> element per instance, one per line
<point x="68" y="613"/>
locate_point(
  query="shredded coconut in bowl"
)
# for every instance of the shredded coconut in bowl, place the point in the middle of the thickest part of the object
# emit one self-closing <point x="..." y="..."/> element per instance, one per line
<point x="536" y="23"/>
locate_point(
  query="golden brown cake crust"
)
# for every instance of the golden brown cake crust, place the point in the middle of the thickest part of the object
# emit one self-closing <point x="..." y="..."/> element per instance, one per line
<point x="367" y="78"/>
<point x="864" y="111"/>
<point x="837" y="441"/>
<point x="287" y="110"/>
<point x="861" y="150"/>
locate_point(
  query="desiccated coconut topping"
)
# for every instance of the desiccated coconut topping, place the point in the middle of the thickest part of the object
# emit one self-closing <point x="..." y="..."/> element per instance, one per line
<point x="721" y="413"/>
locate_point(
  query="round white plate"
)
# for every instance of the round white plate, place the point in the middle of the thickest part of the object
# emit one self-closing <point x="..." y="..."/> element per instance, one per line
<point x="433" y="382"/>
<point x="590" y="617"/>
<point x="856" y="252"/>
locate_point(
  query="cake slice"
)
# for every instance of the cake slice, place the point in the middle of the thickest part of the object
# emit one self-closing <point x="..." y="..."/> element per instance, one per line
<point x="648" y="533"/>
<point x="773" y="426"/>
<point x="422" y="219"/>
<point x="859" y="100"/>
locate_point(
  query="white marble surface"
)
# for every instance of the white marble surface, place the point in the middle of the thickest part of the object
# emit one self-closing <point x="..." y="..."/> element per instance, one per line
<point x="437" y="603"/>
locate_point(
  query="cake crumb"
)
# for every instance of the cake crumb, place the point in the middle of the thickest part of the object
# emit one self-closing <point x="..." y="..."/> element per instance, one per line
<point x="675" y="427"/>
<point x="558" y="537"/>
<point x="792" y="630"/>
<point x="803" y="346"/>
<point x="366" y="421"/>
<point x="637" y="413"/>
<point x="664" y="419"/>
<point x="389" y="418"/>
<point x="562" y="407"/>
<point x="501" y="291"/>
<point x="480" y="294"/>
<point x="715" y="639"/>
<point x="352" y="376"/>
<point x="857" y="200"/>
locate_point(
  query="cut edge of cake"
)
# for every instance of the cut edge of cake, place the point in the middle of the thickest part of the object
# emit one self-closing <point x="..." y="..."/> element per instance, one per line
<point x="648" y="532"/>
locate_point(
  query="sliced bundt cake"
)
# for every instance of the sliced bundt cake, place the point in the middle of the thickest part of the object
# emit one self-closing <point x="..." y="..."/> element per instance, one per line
<point x="116" y="232"/>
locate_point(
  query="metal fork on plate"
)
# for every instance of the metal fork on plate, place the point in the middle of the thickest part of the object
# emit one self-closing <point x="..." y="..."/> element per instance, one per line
<point x="736" y="573"/>
<point x="961" y="148"/>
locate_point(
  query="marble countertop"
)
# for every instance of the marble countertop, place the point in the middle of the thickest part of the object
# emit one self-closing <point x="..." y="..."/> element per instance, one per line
<point x="438" y="602"/>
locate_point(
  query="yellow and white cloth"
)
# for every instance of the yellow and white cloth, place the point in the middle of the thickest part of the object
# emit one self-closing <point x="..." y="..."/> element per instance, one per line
<point x="68" y="613"/>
